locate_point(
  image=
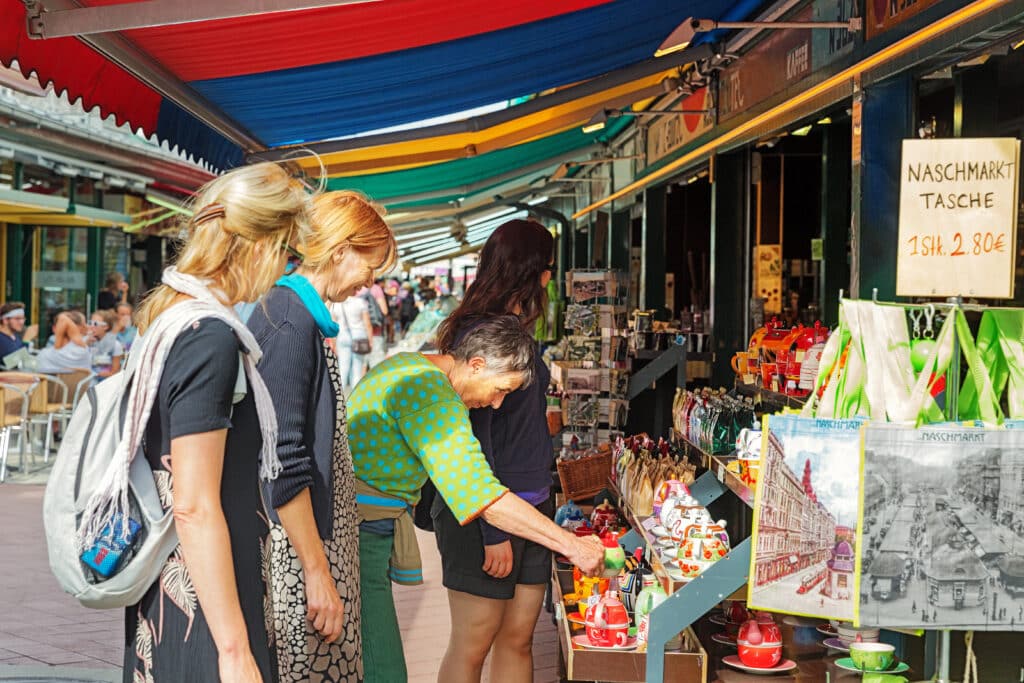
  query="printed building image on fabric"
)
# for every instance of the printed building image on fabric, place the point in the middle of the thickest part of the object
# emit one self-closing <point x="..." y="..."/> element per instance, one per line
<point x="943" y="528"/>
<point x="805" y="539"/>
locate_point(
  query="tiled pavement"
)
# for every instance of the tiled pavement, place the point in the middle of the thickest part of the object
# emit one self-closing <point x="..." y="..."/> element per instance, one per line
<point x="41" y="627"/>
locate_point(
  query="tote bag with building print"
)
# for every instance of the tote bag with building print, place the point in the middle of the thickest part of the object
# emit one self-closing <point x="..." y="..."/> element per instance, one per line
<point x="807" y="518"/>
<point x="944" y="528"/>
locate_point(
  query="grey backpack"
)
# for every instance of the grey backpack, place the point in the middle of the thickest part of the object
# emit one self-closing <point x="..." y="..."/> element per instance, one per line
<point x="90" y="441"/>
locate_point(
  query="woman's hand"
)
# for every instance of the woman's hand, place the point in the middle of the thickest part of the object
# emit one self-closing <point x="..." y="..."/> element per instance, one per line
<point x="588" y="554"/>
<point x="498" y="559"/>
<point x="323" y="604"/>
<point x="239" y="668"/>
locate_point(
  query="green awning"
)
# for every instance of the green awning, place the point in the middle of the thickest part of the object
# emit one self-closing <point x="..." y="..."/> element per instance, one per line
<point x="453" y="176"/>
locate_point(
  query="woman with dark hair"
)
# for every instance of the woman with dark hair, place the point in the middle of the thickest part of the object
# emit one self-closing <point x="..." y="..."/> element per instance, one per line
<point x="496" y="581"/>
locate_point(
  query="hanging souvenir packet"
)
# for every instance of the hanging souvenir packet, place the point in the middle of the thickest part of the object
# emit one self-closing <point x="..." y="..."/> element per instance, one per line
<point x="806" y="518"/>
<point x="867" y="368"/>
<point x="996" y="361"/>
<point x="942" y="521"/>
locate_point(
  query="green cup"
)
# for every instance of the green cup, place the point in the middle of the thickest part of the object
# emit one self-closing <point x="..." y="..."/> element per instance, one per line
<point x="872" y="656"/>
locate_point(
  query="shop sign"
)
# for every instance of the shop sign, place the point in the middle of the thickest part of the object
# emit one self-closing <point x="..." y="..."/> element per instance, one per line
<point x="773" y="65"/>
<point x="885" y="14"/>
<point x="670" y="133"/>
<point x="58" y="279"/>
<point x="958" y="217"/>
<point x="834" y="42"/>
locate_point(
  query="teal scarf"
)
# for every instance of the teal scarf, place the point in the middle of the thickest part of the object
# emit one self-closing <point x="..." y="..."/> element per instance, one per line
<point x="312" y="301"/>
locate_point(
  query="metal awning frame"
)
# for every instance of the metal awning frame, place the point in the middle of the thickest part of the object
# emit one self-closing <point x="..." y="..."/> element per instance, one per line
<point x="46" y="21"/>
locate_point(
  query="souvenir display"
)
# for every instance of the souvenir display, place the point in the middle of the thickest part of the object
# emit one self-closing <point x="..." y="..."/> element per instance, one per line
<point x="806" y="518"/>
<point x="711" y="420"/>
<point x="776" y="356"/>
<point x="748" y="455"/>
<point x="941" y="547"/>
<point x="641" y="465"/>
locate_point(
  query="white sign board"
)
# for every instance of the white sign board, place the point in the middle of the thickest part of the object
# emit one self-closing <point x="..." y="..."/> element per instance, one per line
<point x="958" y="217"/>
<point x="59" y="279"/>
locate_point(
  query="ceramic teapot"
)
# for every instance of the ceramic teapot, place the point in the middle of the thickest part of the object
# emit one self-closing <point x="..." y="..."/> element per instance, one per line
<point x="607" y="622"/>
<point x="759" y="644"/>
<point x="669" y="489"/>
<point x="702" y="545"/>
<point x="604" y="516"/>
<point x="568" y="513"/>
<point x="680" y="512"/>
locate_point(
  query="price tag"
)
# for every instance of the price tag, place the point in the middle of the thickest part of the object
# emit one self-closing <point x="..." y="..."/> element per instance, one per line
<point x="721" y="474"/>
<point x="748" y="379"/>
<point x="649" y="523"/>
<point x="800" y="355"/>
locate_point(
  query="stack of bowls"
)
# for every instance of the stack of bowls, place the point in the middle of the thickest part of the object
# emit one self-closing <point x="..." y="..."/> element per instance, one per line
<point x="848" y="634"/>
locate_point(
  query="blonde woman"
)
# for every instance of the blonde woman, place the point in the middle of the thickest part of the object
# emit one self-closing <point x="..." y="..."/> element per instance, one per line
<point x="314" y="567"/>
<point x="204" y="619"/>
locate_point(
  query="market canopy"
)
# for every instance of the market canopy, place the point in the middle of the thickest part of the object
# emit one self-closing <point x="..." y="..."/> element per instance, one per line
<point x="221" y="88"/>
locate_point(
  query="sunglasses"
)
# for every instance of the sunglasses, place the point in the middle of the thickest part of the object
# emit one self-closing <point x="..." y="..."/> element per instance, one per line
<point x="97" y="323"/>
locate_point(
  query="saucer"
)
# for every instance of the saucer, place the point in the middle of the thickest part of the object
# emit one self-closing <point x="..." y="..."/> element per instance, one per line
<point x="827" y="630"/>
<point x="896" y="668"/>
<point x="584" y="642"/>
<point x="835" y="644"/>
<point x="575" y="618"/>
<point x="784" y="665"/>
<point x="798" y="622"/>
<point x="720" y="620"/>
<point x="724" y="639"/>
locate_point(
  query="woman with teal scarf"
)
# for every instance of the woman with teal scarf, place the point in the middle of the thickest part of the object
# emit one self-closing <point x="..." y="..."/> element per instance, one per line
<point x="313" y="549"/>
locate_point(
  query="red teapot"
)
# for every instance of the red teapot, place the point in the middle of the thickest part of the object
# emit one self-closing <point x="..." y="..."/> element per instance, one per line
<point x="759" y="645"/>
<point x="605" y="516"/>
<point x="608" y="622"/>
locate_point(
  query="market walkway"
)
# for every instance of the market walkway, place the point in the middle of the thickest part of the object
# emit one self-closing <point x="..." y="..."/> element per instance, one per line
<point x="42" y="627"/>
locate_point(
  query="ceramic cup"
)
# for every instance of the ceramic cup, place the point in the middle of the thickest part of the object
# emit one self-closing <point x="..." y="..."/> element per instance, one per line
<point x="872" y="656"/>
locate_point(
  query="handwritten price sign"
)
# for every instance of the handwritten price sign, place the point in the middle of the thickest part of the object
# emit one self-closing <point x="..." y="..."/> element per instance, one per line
<point x="958" y="217"/>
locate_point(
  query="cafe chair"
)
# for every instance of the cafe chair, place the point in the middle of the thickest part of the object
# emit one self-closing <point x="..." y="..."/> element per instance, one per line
<point x="14" y="411"/>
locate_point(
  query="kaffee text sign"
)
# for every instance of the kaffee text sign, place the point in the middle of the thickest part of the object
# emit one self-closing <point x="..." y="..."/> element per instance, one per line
<point x="958" y="217"/>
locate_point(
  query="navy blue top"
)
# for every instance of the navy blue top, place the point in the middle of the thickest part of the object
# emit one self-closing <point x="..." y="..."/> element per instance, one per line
<point x="294" y="367"/>
<point x="515" y="439"/>
<point x="9" y="345"/>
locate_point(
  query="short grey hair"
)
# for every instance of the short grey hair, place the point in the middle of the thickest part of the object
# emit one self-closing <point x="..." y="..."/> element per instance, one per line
<point x="503" y="343"/>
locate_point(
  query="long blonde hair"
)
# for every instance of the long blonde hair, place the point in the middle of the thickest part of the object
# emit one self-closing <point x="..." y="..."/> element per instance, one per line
<point x="346" y="218"/>
<point x="241" y="222"/>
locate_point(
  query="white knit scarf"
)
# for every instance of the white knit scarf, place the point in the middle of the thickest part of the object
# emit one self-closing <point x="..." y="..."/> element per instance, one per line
<point x="146" y="361"/>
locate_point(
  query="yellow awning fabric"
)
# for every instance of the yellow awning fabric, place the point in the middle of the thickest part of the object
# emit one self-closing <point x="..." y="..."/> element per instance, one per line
<point x="404" y="155"/>
<point x="29" y="208"/>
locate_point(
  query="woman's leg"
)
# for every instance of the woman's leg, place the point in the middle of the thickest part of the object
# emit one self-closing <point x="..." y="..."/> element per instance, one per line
<point x="512" y="657"/>
<point x="383" y="658"/>
<point x="475" y="622"/>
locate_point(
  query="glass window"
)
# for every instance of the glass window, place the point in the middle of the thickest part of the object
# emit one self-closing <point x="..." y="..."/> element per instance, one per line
<point x="60" y="282"/>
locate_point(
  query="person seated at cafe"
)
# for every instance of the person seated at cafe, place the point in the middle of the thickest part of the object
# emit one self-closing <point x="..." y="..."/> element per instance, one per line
<point x="114" y="292"/>
<point x="13" y="333"/>
<point x="124" y="328"/>
<point x="70" y="350"/>
<point x="106" y="349"/>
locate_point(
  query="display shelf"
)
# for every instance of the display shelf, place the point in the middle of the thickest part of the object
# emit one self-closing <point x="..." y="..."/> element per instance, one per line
<point x="687" y="666"/>
<point x="689" y="600"/>
<point x="763" y="395"/>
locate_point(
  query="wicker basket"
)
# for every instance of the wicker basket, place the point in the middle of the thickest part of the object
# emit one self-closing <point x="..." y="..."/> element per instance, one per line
<point x="586" y="477"/>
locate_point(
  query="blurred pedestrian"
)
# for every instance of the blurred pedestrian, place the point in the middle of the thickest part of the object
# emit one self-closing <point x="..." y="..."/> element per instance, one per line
<point x="353" y="344"/>
<point x="125" y="328"/>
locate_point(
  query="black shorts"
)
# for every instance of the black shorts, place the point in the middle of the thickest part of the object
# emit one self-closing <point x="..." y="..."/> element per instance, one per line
<point x="462" y="556"/>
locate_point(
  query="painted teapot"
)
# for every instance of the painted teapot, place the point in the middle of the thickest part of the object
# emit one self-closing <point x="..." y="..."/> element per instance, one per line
<point x="607" y="622"/>
<point x="759" y="643"/>
<point x="702" y="545"/>
<point x="669" y="489"/>
<point x="604" y="516"/>
<point x="679" y="512"/>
